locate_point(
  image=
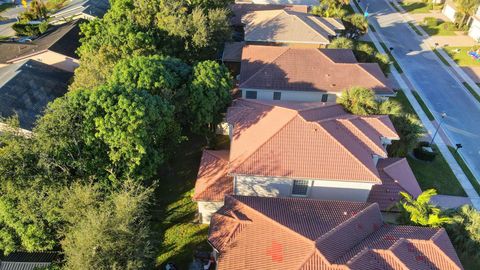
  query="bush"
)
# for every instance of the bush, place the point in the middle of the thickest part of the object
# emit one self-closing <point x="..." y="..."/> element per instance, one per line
<point x="449" y="26"/>
<point x="341" y="43"/>
<point x="25" y="29"/>
<point x="383" y="61"/>
<point x="430" y="21"/>
<point x="420" y="153"/>
<point x="364" y="52"/>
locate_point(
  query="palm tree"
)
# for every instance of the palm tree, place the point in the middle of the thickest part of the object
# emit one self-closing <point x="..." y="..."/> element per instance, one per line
<point x="359" y="101"/>
<point x="420" y="211"/>
<point x="466" y="9"/>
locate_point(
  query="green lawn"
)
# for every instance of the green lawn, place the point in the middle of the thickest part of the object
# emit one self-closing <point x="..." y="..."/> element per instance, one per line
<point x="444" y="61"/>
<point x="395" y="63"/>
<point x="418" y="6"/>
<point x="415" y="29"/>
<point x="461" y="57"/>
<point x="438" y="30"/>
<point x="177" y="234"/>
<point x="470" y="89"/>
<point x="436" y="174"/>
<point x="423" y="105"/>
<point x="465" y="169"/>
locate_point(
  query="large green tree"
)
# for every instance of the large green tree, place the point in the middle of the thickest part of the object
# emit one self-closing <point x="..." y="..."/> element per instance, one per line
<point x="465" y="230"/>
<point x="184" y="29"/>
<point x="209" y="96"/>
<point x="107" y="232"/>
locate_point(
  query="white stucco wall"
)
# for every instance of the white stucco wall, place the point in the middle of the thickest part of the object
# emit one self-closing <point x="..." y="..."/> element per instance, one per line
<point x="301" y="96"/>
<point x="286" y="2"/>
<point x="207" y="209"/>
<point x="319" y="189"/>
<point x="449" y="11"/>
<point x="54" y="59"/>
<point x="474" y="31"/>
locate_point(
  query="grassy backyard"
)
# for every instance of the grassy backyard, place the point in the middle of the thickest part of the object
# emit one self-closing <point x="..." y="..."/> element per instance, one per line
<point x="178" y="234"/>
<point x="436" y="174"/>
<point x="440" y="29"/>
<point x="418" y="6"/>
<point x="461" y="57"/>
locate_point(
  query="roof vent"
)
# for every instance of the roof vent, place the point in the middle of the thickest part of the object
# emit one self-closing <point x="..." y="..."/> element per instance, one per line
<point x="333" y="85"/>
<point x="344" y="213"/>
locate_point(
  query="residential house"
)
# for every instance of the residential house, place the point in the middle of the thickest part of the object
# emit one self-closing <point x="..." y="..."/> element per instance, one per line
<point x="293" y="233"/>
<point x="310" y="150"/>
<point x="450" y="10"/>
<point x="286" y="2"/>
<point x="306" y="74"/>
<point x="80" y="9"/>
<point x="474" y="31"/>
<point x="27" y="87"/>
<point x="56" y="47"/>
<point x="27" y="261"/>
<point x="279" y="25"/>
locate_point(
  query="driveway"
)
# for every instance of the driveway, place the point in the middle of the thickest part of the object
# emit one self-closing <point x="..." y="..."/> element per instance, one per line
<point x="439" y="89"/>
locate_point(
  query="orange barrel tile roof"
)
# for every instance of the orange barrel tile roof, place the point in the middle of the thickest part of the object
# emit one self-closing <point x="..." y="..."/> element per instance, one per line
<point x="213" y="183"/>
<point x="308" y="69"/>
<point x="307" y="141"/>
<point x="298" y="233"/>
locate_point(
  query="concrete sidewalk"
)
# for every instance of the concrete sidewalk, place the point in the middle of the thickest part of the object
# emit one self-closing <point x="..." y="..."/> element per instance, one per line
<point x="462" y="178"/>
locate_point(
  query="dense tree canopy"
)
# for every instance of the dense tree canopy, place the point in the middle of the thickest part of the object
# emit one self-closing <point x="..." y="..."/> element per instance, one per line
<point x="184" y="29"/>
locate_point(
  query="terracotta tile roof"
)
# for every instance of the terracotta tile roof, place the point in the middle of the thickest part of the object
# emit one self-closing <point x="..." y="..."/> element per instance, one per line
<point x="304" y="69"/>
<point x="296" y="233"/>
<point x="287" y="26"/>
<point x="232" y="51"/>
<point x="397" y="176"/>
<point x="240" y="10"/>
<point x="297" y="140"/>
<point x="213" y="183"/>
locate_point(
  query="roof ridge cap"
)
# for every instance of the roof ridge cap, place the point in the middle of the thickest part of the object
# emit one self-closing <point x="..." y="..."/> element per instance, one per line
<point x="391" y="254"/>
<point x="307" y="16"/>
<point x="441" y="231"/>
<point x="363" y="134"/>
<point x="261" y="145"/>
<point x="323" y="25"/>
<point x="360" y="65"/>
<point x="348" y="221"/>
<point x="264" y="65"/>
<point x="377" y="177"/>
<point x="253" y="210"/>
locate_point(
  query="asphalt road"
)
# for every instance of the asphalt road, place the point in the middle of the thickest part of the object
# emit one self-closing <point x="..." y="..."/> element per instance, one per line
<point x="439" y="89"/>
<point x="11" y="15"/>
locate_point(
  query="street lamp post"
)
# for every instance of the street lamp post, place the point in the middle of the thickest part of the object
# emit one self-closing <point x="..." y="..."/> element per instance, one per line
<point x="444" y="115"/>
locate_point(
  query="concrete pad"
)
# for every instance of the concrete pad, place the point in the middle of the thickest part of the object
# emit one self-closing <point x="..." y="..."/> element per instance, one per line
<point x="449" y="202"/>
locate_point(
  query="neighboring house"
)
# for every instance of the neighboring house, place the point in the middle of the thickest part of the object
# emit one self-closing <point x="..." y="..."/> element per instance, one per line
<point x="306" y="74"/>
<point x="474" y="31"/>
<point x="27" y="87"/>
<point x="291" y="28"/>
<point x="27" y="261"/>
<point x="80" y="9"/>
<point x="292" y="233"/>
<point x="56" y="47"/>
<point x="286" y="2"/>
<point x="449" y="10"/>
<point x="284" y="25"/>
<point x="313" y="150"/>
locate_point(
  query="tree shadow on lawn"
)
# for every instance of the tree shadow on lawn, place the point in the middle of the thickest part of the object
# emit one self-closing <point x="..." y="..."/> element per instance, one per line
<point x="176" y="232"/>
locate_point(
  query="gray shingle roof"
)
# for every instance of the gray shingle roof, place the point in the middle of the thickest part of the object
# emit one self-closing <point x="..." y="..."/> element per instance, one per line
<point x="27" y="87"/>
<point x="62" y="39"/>
<point x="27" y="261"/>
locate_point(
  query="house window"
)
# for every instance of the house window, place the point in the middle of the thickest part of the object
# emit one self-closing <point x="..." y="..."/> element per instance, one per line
<point x="251" y="94"/>
<point x="324" y="97"/>
<point x="277" y="95"/>
<point x="300" y="187"/>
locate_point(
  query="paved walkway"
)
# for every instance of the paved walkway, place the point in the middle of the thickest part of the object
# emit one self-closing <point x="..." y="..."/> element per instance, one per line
<point x="387" y="30"/>
<point x="449" y="202"/>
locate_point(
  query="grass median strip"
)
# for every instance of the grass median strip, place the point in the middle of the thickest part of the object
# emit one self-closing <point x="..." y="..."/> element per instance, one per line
<point x="424" y="106"/>
<point x="415" y="29"/>
<point x="395" y="63"/>
<point x="470" y="89"/>
<point x="444" y="61"/>
<point x="465" y="169"/>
